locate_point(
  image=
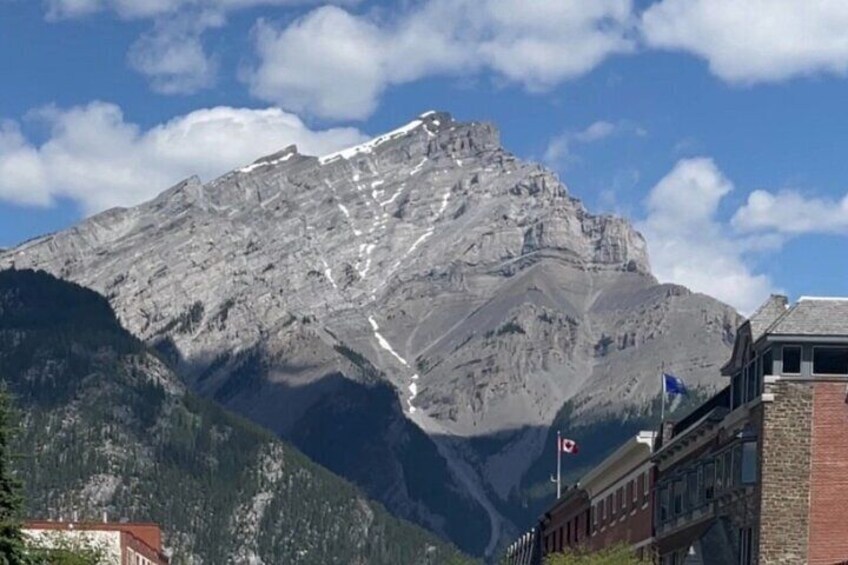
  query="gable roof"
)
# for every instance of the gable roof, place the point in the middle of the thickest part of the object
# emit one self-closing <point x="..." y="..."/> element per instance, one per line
<point x="767" y="314"/>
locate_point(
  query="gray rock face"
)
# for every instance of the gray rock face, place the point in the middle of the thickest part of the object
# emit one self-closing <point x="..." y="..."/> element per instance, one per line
<point x="429" y="258"/>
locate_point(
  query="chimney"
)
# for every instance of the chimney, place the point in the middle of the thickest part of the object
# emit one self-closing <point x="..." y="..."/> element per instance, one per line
<point x="667" y="431"/>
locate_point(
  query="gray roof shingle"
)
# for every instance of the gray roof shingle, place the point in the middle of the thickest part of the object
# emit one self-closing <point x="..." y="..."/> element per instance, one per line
<point x="765" y="315"/>
<point x="813" y="316"/>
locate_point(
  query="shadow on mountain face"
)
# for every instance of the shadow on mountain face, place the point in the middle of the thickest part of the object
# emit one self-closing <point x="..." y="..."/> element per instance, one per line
<point x="358" y="430"/>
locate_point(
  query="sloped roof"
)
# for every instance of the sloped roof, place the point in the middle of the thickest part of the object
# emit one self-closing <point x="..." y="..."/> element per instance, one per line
<point x="767" y="314"/>
<point x="813" y="316"/>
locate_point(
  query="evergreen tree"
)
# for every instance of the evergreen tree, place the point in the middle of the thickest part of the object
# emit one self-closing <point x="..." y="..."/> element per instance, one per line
<point x="12" y="548"/>
<point x="616" y="555"/>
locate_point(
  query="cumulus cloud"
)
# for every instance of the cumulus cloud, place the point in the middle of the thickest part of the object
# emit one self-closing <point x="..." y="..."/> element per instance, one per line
<point x="99" y="159"/>
<point x="753" y="40"/>
<point x="172" y="55"/>
<point x="689" y="245"/>
<point x="791" y="213"/>
<point x="334" y="64"/>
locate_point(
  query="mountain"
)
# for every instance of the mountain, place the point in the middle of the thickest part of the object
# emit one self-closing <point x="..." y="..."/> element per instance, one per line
<point x="414" y="313"/>
<point x="107" y="427"/>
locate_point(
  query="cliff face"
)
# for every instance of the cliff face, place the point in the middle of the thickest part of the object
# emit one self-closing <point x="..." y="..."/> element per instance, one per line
<point x="430" y="261"/>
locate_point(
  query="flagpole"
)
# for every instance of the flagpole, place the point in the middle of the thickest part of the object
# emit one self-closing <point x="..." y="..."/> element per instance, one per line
<point x="559" y="464"/>
<point x="662" y="388"/>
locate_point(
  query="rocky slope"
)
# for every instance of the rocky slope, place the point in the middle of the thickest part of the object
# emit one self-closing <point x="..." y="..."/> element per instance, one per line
<point x="107" y="427"/>
<point x="431" y="260"/>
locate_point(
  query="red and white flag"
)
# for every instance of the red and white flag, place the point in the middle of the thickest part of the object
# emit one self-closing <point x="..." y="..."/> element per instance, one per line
<point x="568" y="446"/>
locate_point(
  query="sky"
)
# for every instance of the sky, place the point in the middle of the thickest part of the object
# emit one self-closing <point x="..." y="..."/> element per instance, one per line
<point x="717" y="127"/>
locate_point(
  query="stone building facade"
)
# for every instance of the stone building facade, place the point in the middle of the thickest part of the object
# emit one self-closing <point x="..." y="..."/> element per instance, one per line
<point x="759" y="474"/>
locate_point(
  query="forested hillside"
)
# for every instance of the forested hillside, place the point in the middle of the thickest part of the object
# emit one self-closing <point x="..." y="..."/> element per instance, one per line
<point x="107" y="427"/>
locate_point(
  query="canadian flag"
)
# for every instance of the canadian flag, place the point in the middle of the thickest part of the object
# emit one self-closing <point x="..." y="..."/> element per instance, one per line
<point x="568" y="446"/>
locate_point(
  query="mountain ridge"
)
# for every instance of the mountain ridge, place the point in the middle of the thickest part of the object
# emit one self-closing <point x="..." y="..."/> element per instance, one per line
<point x="429" y="259"/>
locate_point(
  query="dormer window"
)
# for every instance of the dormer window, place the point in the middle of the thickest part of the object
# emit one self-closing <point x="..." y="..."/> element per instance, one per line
<point x="791" y="360"/>
<point x="830" y="360"/>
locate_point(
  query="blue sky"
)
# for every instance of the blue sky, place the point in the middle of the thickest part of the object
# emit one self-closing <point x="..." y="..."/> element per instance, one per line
<point x="717" y="127"/>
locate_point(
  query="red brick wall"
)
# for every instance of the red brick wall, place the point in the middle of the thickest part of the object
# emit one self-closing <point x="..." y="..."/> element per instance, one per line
<point x="631" y="527"/>
<point x="829" y="475"/>
<point x="568" y="516"/>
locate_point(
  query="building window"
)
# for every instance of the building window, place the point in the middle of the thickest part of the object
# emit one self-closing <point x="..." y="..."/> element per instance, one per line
<point x="663" y="504"/>
<point x="736" y="473"/>
<point x="768" y="362"/>
<point x="646" y="490"/>
<point x="751" y="391"/>
<point x="603" y="506"/>
<point x="678" y="496"/>
<point x="830" y="360"/>
<point x="746" y="546"/>
<point x="692" y="490"/>
<point x="631" y="494"/>
<point x="728" y="469"/>
<point x="791" y="359"/>
<point x="736" y="389"/>
<point x="749" y="462"/>
<point x="588" y="533"/>
<point x="709" y="481"/>
<point x="611" y="506"/>
<point x="619" y="495"/>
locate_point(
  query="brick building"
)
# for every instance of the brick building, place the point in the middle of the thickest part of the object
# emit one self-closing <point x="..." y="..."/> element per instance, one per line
<point x="611" y="504"/>
<point x="568" y="523"/>
<point x="619" y="489"/>
<point x="759" y="473"/>
<point x="121" y="543"/>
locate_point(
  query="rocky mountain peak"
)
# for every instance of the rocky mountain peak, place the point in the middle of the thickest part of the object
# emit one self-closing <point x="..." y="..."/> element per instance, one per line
<point x="467" y="281"/>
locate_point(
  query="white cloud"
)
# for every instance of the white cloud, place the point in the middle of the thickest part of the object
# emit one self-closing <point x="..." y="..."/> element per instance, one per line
<point x="172" y="54"/>
<point x="754" y="40"/>
<point x="334" y="64"/>
<point x="97" y="158"/>
<point x="597" y="131"/>
<point x="559" y="152"/>
<point x="791" y="213"/>
<point x="690" y="246"/>
<point x="139" y="9"/>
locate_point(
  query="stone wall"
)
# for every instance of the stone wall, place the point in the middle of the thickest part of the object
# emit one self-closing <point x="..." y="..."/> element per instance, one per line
<point x="785" y="456"/>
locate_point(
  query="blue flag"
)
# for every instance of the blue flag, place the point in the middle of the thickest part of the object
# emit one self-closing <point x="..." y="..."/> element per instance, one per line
<point x="673" y="385"/>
